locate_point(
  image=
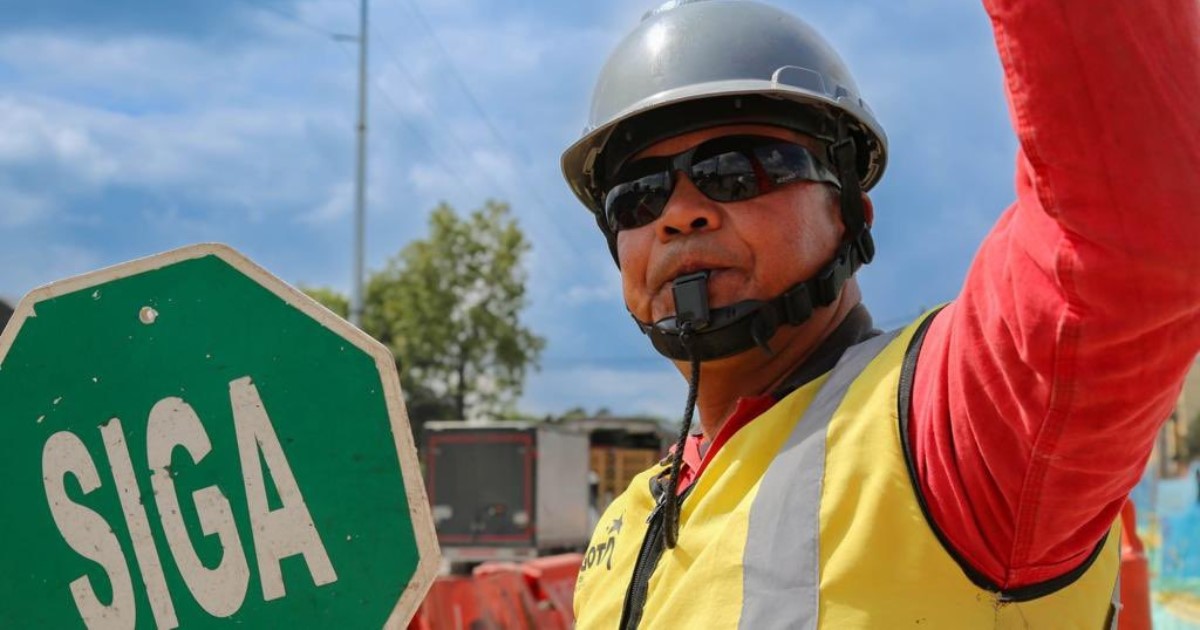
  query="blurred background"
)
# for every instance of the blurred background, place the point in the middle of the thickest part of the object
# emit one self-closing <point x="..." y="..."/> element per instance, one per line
<point x="130" y="127"/>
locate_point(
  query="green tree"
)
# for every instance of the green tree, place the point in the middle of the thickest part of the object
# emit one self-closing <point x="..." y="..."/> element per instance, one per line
<point x="330" y="299"/>
<point x="449" y="308"/>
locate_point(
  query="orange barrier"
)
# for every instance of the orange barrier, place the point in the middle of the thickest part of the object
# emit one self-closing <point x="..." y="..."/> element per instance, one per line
<point x="1135" y="575"/>
<point x="451" y="604"/>
<point x="552" y="582"/>
<point x="535" y="595"/>
<point x="504" y="596"/>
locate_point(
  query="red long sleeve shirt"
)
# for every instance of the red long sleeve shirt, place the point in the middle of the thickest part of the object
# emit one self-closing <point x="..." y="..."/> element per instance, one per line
<point x="1040" y="389"/>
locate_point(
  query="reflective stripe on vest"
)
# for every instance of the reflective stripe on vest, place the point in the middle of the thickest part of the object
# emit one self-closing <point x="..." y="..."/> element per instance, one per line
<point x="781" y="563"/>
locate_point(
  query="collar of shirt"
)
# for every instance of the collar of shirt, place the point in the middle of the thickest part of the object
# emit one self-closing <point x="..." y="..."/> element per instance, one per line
<point x="698" y="451"/>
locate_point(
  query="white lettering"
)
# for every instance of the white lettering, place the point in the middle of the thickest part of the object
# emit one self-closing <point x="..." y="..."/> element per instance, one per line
<point x="87" y="533"/>
<point x="139" y="525"/>
<point x="220" y="591"/>
<point x="289" y="530"/>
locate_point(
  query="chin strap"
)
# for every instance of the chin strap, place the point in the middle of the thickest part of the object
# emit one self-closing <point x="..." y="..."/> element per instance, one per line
<point x="736" y="328"/>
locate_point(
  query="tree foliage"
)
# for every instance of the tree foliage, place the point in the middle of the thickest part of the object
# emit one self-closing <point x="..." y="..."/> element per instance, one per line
<point x="448" y="306"/>
<point x="330" y="299"/>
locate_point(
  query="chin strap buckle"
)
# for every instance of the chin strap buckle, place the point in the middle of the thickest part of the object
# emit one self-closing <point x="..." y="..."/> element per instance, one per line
<point x="864" y="247"/>
<point x="844" y="156"/>
<point x="797" y="305"/>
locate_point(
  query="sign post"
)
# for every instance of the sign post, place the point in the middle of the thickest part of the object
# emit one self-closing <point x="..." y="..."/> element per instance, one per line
<point x="190" y="442"/>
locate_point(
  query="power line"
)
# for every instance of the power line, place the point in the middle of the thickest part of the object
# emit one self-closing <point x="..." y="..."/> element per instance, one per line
<point x="339" y="39"/>
<point x="457" y="143"/>
<point x="448" y="166"/>
<point x="504" y="143"/>
<point x="416" y="132"/>
<point x="449" y="132"/>
<point x="462" y="84"/>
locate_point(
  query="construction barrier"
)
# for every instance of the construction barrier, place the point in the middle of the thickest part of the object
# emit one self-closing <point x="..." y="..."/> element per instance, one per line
<point x="451" y="604"/>
<point x="535" y="595"/>
<point x="552" y="580"/>
<point x="505" y="598"/>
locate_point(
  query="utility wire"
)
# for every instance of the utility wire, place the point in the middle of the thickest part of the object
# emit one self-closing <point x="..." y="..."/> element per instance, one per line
<point x="462" y="84"/>
<point x="414" y="130"/>
<point x="337" y="38"/>
<point x="453" y="138"/>
<point x="518" y="156"/>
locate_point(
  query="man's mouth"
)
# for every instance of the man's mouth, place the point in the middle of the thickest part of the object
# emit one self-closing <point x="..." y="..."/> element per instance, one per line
<point x="689" y="269"/>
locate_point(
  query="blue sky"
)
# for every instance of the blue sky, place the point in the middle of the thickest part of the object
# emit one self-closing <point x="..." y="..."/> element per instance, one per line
<point x="129" y="127"/>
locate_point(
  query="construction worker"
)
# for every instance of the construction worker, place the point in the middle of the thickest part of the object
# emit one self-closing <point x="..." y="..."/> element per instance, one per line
<point x="965" y="471"/>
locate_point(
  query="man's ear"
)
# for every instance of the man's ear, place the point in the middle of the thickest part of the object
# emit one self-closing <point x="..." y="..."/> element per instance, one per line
<point x="868" y="210"/>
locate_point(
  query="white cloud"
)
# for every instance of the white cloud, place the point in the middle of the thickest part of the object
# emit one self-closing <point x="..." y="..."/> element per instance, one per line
<point x="401" y="91"/>
<point x="28" y="265"/>
<point x="19" y="208"/>
<point x="338" y="202"/>
<point x="511" y="47"/>
<point x="585" y="294"/>
<point x="255" y="158"/>
<point x="55" y="60"/>
<point x="657" y="392"/>
<point x="30" y="133"/>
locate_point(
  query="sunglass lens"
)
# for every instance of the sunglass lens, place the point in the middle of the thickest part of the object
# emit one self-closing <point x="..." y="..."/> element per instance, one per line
<point x="728" y="176"/>
<point x="783" y="163"/>
<point x="638" y="202"/>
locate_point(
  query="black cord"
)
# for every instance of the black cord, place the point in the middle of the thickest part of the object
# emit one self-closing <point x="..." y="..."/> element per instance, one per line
<point x="671" y="500"/>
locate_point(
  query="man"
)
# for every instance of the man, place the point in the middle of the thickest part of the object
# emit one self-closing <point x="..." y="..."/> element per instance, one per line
<point x="964" y="472"/>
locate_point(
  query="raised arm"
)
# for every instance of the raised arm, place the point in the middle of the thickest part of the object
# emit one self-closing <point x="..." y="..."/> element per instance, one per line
<point x="1040" y="389"/>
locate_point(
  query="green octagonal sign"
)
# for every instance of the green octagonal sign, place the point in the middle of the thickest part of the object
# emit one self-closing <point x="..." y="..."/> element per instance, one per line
<point x="190" y="442"/>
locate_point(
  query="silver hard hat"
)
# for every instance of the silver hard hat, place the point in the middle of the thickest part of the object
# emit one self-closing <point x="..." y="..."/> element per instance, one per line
<point x="694" y="64"/>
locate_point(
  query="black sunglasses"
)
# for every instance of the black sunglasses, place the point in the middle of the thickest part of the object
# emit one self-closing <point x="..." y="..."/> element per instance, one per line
<point x="725" y="169"/>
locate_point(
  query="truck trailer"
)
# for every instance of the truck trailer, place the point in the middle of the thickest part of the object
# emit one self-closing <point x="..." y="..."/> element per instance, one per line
<point x="507" y="490"/>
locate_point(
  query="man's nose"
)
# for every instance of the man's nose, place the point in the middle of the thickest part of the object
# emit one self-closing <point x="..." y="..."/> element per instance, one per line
<point x="687" y="211"/>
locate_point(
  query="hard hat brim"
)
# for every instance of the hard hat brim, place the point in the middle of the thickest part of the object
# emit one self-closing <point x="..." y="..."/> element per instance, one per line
<point x="581" y="163"/>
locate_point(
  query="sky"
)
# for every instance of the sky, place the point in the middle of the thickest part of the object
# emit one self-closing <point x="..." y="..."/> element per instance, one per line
<point x="131" y="127"/>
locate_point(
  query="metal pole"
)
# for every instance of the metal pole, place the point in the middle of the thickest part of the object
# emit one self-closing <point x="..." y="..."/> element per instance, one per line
<point x="360" y="219"/>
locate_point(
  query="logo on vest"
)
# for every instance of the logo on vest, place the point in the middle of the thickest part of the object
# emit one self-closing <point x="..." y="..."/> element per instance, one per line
<point x="601" y="553"/>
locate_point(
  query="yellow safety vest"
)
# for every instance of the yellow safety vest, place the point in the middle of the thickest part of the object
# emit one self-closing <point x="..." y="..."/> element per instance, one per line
<point x="808" y="518"/>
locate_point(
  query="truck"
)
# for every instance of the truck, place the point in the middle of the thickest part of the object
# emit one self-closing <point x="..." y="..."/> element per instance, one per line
<point x="507" y="490"/>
